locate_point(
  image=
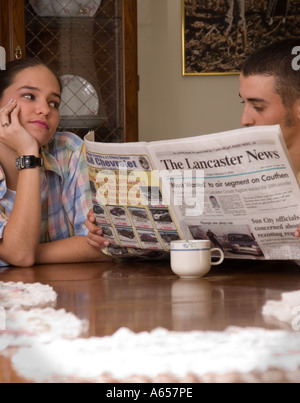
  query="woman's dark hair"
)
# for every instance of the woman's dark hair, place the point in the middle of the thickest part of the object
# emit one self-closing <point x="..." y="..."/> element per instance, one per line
<point x="15" y="67"/>
<point x="276" y="60"/>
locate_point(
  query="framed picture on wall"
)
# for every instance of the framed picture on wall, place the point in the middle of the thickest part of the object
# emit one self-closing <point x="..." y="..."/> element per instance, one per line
<point x="217" y="35"/>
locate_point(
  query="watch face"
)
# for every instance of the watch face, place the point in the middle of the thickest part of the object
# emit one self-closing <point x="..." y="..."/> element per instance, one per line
<point x="30" y="162"/>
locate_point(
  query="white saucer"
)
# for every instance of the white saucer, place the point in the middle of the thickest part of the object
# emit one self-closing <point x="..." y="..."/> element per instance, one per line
<point x="79" y="97"/>
<point x="65" y="8"/>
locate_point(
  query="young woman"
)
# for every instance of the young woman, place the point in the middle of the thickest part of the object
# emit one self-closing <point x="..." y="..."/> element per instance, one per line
<point x="44" y="184"/>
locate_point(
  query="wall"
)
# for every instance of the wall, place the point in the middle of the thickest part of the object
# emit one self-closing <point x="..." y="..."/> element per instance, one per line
<point x="170" y="105"/>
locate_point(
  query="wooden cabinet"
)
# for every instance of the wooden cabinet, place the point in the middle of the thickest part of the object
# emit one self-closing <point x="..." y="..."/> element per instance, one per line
<point x="12" y="28"/>
<point x="92" y="46"/>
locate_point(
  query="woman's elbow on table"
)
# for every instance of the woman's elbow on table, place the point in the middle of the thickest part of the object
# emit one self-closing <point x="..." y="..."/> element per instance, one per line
<point x="19" y="258"/>
<point x="25" y="261"/>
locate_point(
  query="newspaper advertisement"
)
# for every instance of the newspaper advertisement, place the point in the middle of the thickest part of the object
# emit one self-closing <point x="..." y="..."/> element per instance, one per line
<point x="127" y="201"/>
<point x="236" y="188"/>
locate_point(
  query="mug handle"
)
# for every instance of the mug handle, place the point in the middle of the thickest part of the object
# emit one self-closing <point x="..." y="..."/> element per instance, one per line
<point x="222" y="257"/>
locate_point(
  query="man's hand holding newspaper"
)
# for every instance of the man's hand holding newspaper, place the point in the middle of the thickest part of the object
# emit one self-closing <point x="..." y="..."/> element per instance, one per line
<point x="95" y="238"/>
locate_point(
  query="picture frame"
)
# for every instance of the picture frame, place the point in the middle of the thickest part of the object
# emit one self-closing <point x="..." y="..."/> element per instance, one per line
<point x="217" y="35"/>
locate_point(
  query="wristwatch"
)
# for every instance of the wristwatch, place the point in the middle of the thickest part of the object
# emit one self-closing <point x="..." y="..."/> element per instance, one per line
<point x="28" y="161"/>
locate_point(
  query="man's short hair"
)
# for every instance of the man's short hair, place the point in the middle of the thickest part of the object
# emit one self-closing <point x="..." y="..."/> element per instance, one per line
<point x="277" y="60"/>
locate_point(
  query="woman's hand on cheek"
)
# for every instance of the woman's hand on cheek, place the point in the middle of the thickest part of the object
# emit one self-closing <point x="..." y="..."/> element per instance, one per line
<point x="13" y="134"/>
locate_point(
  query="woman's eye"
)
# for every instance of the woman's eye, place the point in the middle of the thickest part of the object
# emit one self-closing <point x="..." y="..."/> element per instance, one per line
<point x="54" y="104"/>
<point x="29" y="96"/>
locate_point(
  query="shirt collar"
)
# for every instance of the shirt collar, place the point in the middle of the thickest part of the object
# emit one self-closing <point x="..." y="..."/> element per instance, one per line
<point x="50" y="163"/>
<point x="2" y="174"/>
<point x="3" y="188"/>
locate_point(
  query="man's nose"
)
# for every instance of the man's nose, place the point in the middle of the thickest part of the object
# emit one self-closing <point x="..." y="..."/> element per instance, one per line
<point x="247" y="119"/>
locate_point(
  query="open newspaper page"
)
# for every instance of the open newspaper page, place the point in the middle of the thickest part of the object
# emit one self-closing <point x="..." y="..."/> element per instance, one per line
<point x="128" y="202"/>
<point x="236" y="188"/>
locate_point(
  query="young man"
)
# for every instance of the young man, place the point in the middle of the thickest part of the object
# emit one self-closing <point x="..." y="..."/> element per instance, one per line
<point x="270" y="91"/>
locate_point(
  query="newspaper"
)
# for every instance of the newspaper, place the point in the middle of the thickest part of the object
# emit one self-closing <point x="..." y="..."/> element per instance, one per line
<point x="236" y="188"/>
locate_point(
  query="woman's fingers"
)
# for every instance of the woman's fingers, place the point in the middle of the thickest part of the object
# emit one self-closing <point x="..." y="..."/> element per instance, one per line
<point x="5" y="113"/>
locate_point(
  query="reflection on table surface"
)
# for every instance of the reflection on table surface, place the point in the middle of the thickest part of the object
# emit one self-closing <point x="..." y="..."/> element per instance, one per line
<point x="142" y="296"/>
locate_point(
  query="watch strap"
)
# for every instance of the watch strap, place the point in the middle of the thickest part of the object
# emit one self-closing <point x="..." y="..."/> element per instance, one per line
<point x="28" y="161"/>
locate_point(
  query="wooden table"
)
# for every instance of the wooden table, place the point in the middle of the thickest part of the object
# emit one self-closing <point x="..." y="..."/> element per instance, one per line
<point x="146" y="295"/>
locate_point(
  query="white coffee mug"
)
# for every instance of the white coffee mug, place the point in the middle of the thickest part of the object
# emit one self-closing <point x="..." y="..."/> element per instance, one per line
<point x="192" y="259"/>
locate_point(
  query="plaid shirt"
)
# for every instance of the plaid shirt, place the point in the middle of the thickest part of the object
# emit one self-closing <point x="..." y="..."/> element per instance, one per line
<point x="65" y="190"/>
